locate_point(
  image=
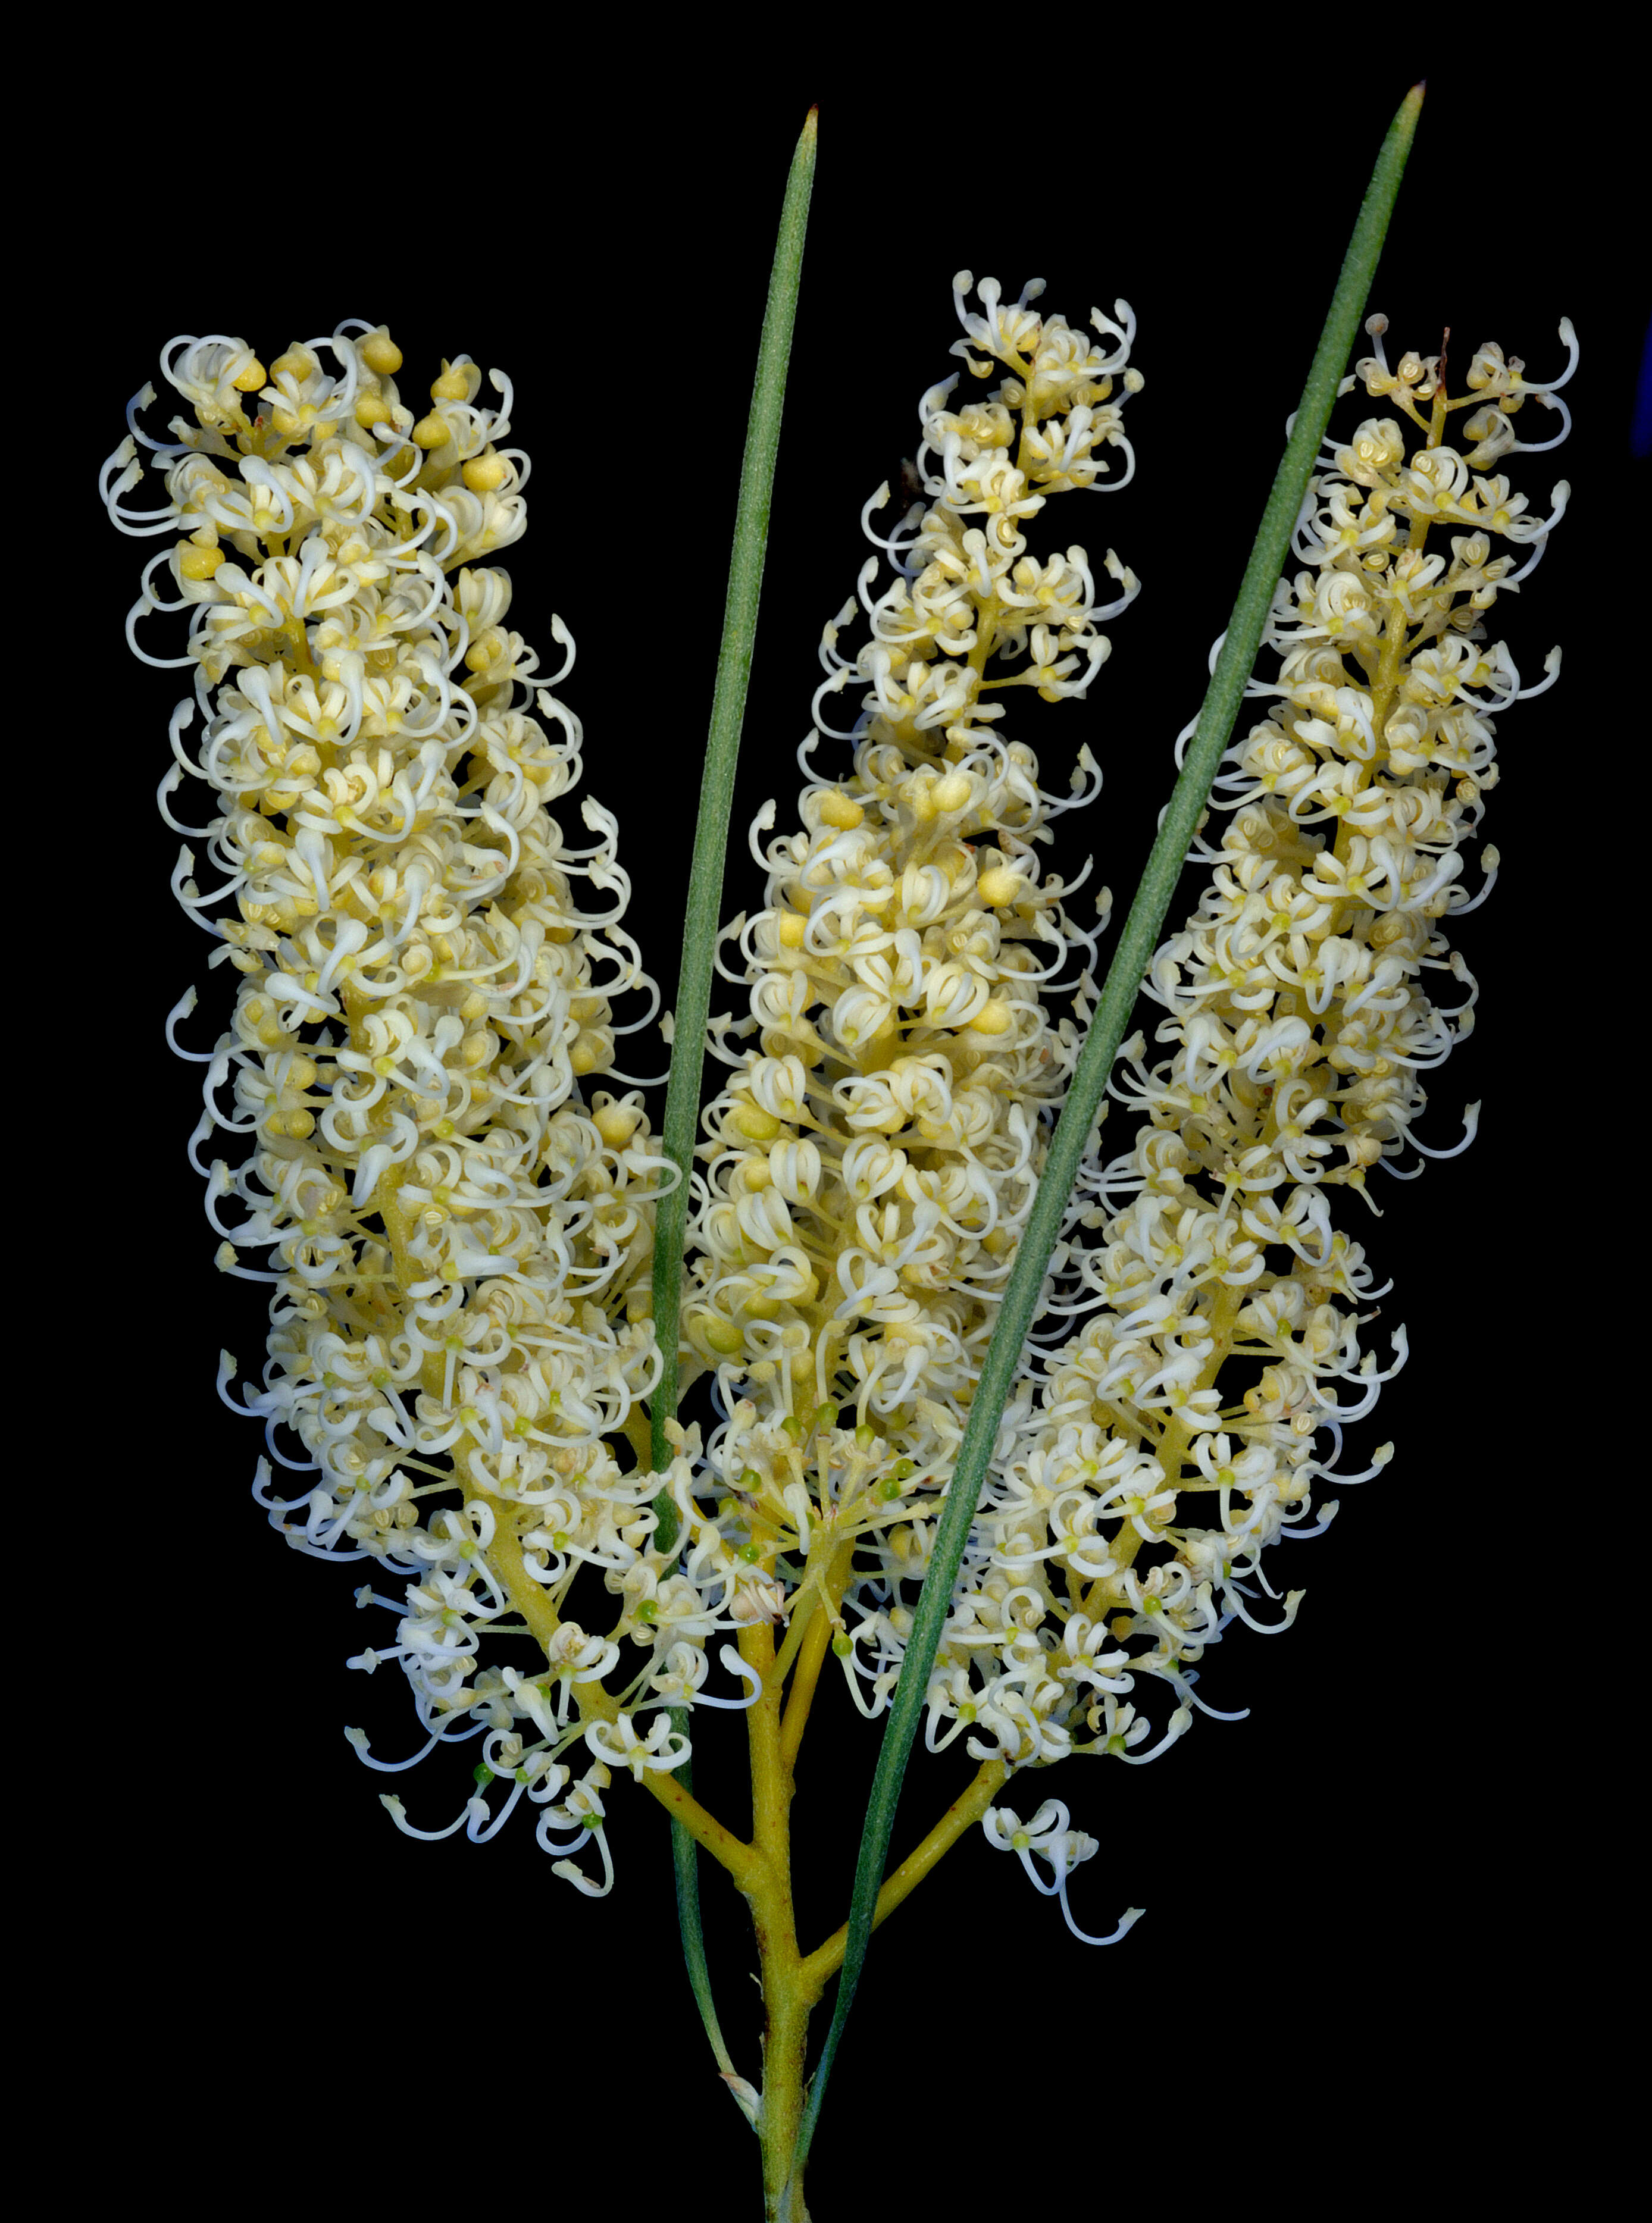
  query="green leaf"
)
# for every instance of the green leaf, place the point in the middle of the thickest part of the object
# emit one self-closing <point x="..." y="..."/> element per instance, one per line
<point x="1137" y="943"/>
<point x="700" y="929"/>
<point x="702" y="919"/>
<point x="686" y="1865"/>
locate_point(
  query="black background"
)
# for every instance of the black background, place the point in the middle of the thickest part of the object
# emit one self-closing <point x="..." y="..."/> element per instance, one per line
<point x="1366" y="1901"/>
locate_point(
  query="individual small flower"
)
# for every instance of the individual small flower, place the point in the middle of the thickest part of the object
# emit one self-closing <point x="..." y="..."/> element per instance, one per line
<point x="1048" y="1838"/>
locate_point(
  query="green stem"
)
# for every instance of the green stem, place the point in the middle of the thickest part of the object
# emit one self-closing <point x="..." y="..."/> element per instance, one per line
<point x="1136" y="946"/>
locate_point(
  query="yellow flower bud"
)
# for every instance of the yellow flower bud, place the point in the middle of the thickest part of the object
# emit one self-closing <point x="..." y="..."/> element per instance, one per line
<point x="840" y="811"/>
<point x="381" y="353"/>
<point x="720" y="1338"/>
<point x="999" y="886"/>
<point x="617" y="1124"/>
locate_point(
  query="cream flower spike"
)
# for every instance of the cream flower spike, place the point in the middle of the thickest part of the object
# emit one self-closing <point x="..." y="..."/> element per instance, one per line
<point x="870" y="1166"/>
<point x="1121" y="1529"/>
<point x="459" y="1213"/>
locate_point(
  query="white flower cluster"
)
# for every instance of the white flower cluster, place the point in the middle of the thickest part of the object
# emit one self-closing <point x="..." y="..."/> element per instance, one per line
<point x="871" y="1163"/>
<point x="1300" y="1023"/>
<point x="461" y="1238"/>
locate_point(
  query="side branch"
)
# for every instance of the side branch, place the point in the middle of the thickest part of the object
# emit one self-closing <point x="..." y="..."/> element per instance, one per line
<point x="824" y="1961"/>
<point x="743" y="1861"/>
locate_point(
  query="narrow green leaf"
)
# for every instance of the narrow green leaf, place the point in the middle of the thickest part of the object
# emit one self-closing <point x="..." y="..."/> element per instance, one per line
<point x="701" y="923"/>
<point x="685" y="1867"/>
<point x="1136" y="946"/>
<point x="702" y="917"/>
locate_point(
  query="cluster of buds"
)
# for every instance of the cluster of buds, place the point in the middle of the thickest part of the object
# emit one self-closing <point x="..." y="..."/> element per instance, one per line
<point x="1301" y="1021"/>
<point x="872" y="1161"/>
<point x="460" y="1218"/>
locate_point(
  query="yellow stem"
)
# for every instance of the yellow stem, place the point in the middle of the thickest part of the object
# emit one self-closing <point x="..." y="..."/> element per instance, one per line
<point x="812" y="1653"/>
<point x="806" y="1600"/>
<point x="637" y="1435"/>
<point x="825" y="1960"/>
<point x="785" y="2002"/>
